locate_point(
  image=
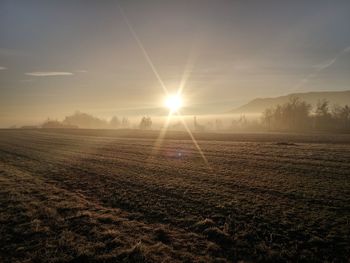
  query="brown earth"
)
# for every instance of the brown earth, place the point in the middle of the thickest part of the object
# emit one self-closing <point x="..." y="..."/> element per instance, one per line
<point x="112" y="196"/>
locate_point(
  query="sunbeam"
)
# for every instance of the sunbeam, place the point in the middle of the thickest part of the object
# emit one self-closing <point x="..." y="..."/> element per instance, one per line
<point x="174" y="102"/>
<point x="194" y="140"/>
<point x="139" y="43"/>
<point x="187" y="71"/>
<point x="159" y="141"/>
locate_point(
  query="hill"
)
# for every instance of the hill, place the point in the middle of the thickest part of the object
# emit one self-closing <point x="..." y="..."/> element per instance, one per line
<point x="260" y="104"/>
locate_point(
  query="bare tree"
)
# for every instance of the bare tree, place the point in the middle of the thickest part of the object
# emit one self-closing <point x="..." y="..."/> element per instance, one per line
<point x="125" y="122"/>
<point x="341" y="116"/>
<point x="84" y="120"/>
<point x="293" y="115"/>
<point x="323" y="117"/>
<point x="146" y="123"/>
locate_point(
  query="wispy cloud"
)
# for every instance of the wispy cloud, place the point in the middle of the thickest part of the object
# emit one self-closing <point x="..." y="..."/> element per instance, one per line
<point x="48" y="73"/>
<point x="81" y="71"/>
<point x="321" y="67"/>
<point x="3" y="68"/>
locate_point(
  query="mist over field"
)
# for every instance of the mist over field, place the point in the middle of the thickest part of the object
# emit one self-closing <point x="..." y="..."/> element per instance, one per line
<point x="174" y="131"/>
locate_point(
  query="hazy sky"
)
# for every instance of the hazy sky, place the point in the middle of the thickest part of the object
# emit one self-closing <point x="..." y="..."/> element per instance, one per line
<point x="60" y="56"/>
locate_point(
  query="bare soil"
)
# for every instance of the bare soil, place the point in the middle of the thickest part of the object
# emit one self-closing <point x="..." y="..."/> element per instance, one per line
<point x="113" y="196"/>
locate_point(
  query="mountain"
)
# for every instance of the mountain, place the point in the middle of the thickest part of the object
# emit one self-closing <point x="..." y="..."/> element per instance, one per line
<point x="260" y="104"/>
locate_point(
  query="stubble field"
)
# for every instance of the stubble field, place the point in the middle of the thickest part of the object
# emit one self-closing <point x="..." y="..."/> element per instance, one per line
<point x="111" y="196"/>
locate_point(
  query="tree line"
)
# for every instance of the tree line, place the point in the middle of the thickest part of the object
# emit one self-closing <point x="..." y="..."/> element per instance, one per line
<point x="87" y="121"/>
<point x="297" y="115"/>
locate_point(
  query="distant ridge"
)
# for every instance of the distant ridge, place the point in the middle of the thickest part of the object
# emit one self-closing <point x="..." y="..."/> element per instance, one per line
<point x="260" y="104"/>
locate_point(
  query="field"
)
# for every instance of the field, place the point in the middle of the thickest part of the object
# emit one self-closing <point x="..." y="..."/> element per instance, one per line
<point x="110" y="196"/>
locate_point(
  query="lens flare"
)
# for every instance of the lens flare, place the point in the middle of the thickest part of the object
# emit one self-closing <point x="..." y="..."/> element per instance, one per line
<point x="173" y="102"/>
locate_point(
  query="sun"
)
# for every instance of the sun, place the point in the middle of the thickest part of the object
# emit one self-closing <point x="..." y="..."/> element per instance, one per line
<point x="173" y="102"/>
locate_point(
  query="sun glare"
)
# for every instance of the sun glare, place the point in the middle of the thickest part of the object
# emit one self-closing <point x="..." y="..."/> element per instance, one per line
<point x="173" y="102"/>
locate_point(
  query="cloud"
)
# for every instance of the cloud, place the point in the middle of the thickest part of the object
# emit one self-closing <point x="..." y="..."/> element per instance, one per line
<point x="48" y="73"/>
<point x="321" y="67"/>
<point x="333" y="60"/>
<point x="3" y="68"/>
<point x="81" y="71"/>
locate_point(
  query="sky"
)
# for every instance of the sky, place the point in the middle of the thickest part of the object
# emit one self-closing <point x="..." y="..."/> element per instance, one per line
<point x="106" y="57"/>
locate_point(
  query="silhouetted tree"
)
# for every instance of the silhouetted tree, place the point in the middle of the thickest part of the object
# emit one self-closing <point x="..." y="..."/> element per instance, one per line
<point x="242" y="121"/>
<point x="293" y="115"/>
<point x="323" y="117"/>
<point x="125" y="122"/>
<point x="341" y="116"/>
<point x="146" y="123"/>
<point x="84" y="120"/>
<point x="55" y="124"/>
<point x="268" y="118"/>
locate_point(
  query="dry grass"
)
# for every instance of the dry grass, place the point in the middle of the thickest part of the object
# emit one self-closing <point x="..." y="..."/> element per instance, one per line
<point x="71" y="197"/>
